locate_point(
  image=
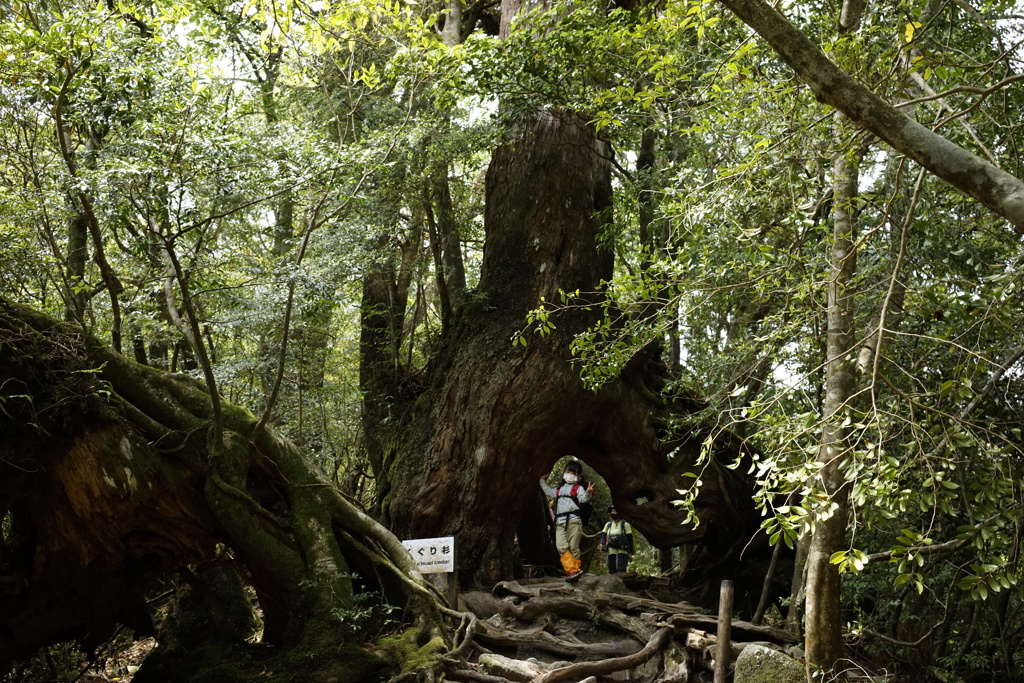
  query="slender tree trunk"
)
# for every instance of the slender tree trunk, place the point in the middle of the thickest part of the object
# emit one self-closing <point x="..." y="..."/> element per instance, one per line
<point x="378" y="371"/>
<point x="445" y="243"/>
<point x="665" y="561"/>
<point x="823" y="636"/>
<point x="645" y="171"/>
<point x="798" y="591"/>
<point x="454" y="270"/>
<point x="78" y="254"/>
<point x="823" y="624"/>
<point x="451" y="33"/>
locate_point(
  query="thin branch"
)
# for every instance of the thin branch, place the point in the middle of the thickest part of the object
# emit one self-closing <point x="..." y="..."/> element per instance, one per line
<point x="995" y="188"/>
<point x="947" y="548"/>
<point x="983" y="91"/>
<point x="190" y="330"/>
<point x="943" y="105"/>
<point x="311" y="225"/>
<point x="893" y="283"/>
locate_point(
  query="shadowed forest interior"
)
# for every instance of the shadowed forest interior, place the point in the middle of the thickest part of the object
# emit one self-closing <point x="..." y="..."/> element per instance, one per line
<point x="285" y="283"/>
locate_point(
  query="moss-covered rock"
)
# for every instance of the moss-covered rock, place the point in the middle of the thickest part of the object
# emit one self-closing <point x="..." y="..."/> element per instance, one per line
<point x="345" y="663"/>
<point x="406" y="649"/>
<point x="759" y="664"/>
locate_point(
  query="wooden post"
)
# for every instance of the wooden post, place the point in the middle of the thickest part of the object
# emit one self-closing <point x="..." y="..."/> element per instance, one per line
<point x="453" y="580"/>
<point x="723" y="648"/>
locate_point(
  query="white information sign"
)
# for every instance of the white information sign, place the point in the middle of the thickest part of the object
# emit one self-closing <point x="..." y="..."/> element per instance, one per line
<point x="433" y="555"/>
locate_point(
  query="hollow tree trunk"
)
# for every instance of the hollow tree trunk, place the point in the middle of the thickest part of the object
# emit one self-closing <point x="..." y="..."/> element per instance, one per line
<point x="498" y="415"/>
<point x="468" y="450"/>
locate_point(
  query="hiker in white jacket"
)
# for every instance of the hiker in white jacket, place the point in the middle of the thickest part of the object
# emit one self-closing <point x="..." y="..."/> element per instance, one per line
<point x="569" y="496"/>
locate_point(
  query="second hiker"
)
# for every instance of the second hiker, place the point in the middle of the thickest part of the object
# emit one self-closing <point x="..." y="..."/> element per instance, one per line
<point x="617" y="541"/>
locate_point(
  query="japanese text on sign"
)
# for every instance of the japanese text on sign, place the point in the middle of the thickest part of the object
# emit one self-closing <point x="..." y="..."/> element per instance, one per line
<point x="432" y="555"/>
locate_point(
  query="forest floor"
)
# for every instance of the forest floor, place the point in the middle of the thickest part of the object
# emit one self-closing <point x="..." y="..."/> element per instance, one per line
<point x="599" y="628"/>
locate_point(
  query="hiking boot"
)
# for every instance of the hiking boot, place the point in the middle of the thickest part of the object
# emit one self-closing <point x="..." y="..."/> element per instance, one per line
<point x="573" y="576"/>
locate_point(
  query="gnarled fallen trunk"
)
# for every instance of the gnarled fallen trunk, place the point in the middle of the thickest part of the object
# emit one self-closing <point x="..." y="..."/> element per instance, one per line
<point x="109" y="480"/>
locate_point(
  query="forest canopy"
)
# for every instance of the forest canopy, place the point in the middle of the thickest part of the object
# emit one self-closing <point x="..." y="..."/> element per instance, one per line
<point x="365" y="270"/>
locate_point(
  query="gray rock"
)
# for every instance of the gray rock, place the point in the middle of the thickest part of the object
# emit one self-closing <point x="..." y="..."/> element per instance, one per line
<point x="605" y="583"/>
<point x="759" y="664"/>
<point x="512" y="669"/>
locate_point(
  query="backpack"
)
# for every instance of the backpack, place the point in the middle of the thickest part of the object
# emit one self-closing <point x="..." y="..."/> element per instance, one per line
<point x="585" y="509"/>
<point x="618" y="541"/>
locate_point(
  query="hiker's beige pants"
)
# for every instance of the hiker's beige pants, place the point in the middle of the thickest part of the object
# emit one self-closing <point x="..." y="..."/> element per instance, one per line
<point x="567" y="541"/>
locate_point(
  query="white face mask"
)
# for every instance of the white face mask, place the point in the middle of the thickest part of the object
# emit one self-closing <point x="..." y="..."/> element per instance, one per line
<point x="570" y="478"/>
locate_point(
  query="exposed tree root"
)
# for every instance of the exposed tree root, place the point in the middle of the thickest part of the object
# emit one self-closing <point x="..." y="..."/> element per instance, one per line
<point x="607" y="666"/>
<point x="547" y="631"/>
